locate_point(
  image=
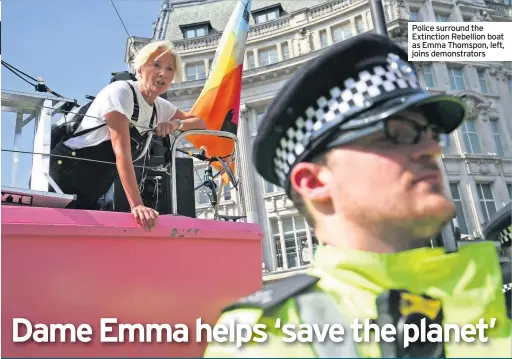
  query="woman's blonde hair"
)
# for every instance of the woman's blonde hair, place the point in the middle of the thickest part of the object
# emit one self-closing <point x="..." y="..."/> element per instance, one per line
<point x="165" y="46"/>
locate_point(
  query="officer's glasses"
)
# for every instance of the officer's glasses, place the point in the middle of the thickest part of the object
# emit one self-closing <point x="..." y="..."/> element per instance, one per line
<point x="399" y="129"/>
<point x="406" y="131"/>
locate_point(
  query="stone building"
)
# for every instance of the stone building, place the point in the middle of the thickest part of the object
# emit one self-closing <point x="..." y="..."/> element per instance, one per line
<point x="283" y="35"/>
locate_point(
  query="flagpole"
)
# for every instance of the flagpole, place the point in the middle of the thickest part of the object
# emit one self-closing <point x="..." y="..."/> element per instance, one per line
<point x="451" y="232"/>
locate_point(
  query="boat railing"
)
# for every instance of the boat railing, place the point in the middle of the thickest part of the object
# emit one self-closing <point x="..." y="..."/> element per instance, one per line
<point x="39" y="110"/>
<point x="232" y="157"/>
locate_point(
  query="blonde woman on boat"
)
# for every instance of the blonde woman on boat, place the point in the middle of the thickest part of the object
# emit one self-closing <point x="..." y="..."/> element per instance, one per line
<point x="116" y="130"/>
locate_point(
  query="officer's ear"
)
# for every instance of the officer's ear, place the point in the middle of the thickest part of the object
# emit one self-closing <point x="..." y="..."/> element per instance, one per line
<point x="310" y="181"/>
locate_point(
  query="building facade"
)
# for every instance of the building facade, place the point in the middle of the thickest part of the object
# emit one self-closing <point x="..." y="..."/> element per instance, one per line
<point x="285" y="34"/>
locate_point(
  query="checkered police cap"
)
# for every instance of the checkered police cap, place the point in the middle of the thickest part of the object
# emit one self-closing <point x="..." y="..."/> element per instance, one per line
<point x="507" y="287"/>
<point x="332" y="93"/>
<point x="505" y="237"/>
<point x="499" y="227"/>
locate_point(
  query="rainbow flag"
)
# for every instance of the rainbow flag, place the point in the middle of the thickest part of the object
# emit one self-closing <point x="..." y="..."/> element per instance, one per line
<point x="219" y="102"/>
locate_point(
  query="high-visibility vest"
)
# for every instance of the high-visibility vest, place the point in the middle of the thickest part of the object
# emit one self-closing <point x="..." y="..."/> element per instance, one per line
<point x="467" y="284"/>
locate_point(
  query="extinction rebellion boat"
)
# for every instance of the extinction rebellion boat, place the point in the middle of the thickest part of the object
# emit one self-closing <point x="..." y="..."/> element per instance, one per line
<point x="97" y="269"/>
<point x="95" y="274"/>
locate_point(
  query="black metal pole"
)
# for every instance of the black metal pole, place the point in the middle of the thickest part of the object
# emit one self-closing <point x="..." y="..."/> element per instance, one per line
<point x="450" y="233"/>
<point x="378" y="18"/>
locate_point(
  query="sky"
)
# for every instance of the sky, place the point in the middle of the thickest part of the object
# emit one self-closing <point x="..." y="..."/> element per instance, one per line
<point x="74" y="45"/>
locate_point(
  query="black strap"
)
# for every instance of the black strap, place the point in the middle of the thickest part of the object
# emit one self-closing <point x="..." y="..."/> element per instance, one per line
<point x="275" y="293"/>
<point x="135" y="115"/>
<point x="83" y="132"/>
<point x="136" y="110"/>
<point x="153" y="117"/>
<point x="82" y="112"/>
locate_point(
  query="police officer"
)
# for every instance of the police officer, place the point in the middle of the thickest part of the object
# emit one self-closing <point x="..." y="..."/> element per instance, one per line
<point x="353" y="139"/>
<point x="499" y="229"/>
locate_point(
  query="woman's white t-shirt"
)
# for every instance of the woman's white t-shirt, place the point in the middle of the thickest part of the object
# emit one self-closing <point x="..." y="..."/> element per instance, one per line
<point x="118" y="96"/>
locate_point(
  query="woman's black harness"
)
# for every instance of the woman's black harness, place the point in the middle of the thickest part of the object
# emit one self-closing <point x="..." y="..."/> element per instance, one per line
<point x="92" y="173"/>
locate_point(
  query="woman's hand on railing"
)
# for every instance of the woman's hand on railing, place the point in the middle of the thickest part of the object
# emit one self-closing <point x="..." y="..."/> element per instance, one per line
<point x="145" y="217"/>
<point x="166" y="128"/>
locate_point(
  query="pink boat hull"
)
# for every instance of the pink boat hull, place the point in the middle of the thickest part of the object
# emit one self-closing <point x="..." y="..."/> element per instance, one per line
<point x="67" y="266"/>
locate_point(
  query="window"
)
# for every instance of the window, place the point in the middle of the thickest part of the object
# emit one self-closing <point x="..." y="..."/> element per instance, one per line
<point x="195" y="71"/>
<point x="447" y="147"/>
<point x="428" y="76"/>
<point x="210" y="65"/>
<point x="442" y="18"/>
<point x="461" y="218"/>
<point x="261" y="18"/>
<point x="497" y="138"/>
<point x="509" y="188"/>
<point x="267" y="56"/>
<point x="342" y="32"/>
<point x="270" y="187"/>
<point x="415" y="15"/>
<point x="192" y="31"/>
<point x="471" y="137"/>
<point x="456" y="78"/>
<point x="360" y="24"/>
<point x="265" y="15"/>
<point x="260" y="113"/>
<point x="483" y="83"/>
<point x="250" y="60"/>
<point x="285" y="49"/>
<point x="486" y="200"/>
<point x="324" y="42"/>
<point x="295" y="239"/>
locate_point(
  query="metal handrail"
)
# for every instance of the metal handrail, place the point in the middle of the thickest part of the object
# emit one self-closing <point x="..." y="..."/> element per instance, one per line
<point x="223" y="134"/>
